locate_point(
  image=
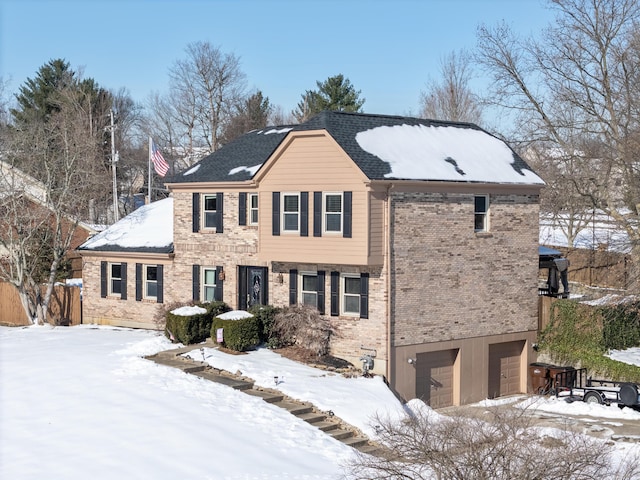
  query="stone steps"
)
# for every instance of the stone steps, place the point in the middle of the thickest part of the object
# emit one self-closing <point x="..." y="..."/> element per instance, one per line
<point x="325" y="422"/>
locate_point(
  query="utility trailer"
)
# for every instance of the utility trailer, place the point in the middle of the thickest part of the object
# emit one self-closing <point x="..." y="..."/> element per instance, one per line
<point x="573" y="384"/>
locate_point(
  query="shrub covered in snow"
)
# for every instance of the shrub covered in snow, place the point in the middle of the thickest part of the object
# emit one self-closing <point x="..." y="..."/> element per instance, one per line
<point x="241" y="330"/>
<point x="188" y="324"/>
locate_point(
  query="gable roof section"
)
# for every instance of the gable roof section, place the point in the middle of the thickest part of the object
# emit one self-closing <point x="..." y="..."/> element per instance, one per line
<point x="383" y="147"/>
<point x="149" y="229"/>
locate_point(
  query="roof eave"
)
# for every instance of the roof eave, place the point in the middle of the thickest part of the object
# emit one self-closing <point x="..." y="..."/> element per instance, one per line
<point x="128" y="254"/>
<point x="204" y="185"/>
<point x="455" y="186"/>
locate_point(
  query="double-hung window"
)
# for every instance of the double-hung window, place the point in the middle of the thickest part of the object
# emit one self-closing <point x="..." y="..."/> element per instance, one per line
<point x="210" y="210"/>
<point x="309" y="289"/>
<point x="208" y="284"/>
<point x="115" y="279"/>
<point x="332" y="212"/>
<point x="291" y="212"/>
<point x="351" y="294"/>
<point x="481" y="213"/>
<point x="151" y="281"/>
<point x="253" y="209"/>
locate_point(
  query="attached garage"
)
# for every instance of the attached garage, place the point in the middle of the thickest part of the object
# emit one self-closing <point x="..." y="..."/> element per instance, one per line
<point x="505" y="366"/>
<point x="435" y="377"/>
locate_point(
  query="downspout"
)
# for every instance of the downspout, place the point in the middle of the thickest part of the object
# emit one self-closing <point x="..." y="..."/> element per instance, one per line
<point x="387" y="263"/>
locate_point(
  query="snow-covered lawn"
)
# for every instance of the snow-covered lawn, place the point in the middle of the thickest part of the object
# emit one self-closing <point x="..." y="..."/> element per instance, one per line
<point x="81" y="402"/>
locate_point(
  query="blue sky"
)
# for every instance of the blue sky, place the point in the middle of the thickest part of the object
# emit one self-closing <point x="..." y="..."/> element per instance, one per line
<point x="389" y="49"/>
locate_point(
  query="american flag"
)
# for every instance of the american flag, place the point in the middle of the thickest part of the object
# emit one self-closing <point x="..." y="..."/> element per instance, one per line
<point x="159" y="164"/>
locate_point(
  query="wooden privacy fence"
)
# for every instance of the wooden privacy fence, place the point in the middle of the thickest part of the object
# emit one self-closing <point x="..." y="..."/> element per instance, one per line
<point x="544" y="311"/>
<point x="600" y="268"/>
<point x="65" y="307"/>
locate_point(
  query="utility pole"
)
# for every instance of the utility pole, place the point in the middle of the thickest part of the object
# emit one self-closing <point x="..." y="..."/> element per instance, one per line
<point x="114" y="160"/>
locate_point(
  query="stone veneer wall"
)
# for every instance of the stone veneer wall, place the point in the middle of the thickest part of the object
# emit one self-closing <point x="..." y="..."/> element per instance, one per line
<point x="451" y="283"/>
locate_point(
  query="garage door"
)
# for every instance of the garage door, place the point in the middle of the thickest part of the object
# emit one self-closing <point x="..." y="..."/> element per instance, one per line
<point x="435" y="377"/>
<point x="504" y="368"/>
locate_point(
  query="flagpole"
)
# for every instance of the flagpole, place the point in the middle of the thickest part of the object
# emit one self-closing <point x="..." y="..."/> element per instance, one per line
<point x="149" y="181"/>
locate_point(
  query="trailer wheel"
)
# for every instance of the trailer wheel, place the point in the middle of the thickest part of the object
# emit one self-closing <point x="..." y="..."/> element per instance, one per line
<point x="592" y="397"/>
<point x="629" y="394"/>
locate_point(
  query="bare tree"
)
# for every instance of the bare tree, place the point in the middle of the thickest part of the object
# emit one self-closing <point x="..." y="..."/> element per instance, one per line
<point x="577" y="89"/>
<point x="4" y="103"/>
<point x="451" y="98"/>
<point x="208" y="83"/>
<point x="503" y="445"/>
<point x="39" y="216"/>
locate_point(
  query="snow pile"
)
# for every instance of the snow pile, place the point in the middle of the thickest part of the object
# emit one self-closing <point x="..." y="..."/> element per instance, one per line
<point x="630" y="356"/>
<point x="150" y="226"/>
<point x="446" y="153"/>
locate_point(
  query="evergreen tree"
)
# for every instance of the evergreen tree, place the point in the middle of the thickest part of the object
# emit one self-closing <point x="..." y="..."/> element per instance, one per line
<point x="251" y="114"/>
<point x="335" y="93"/>
<point x="38" y="97"/>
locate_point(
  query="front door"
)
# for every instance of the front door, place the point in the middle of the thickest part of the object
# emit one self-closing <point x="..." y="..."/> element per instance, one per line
<point x="253" y="287"/>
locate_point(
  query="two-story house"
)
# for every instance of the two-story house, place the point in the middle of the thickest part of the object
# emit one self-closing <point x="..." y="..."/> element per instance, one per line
<point x="417" y="238"/>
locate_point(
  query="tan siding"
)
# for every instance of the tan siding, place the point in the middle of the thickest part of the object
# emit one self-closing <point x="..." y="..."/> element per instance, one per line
<point x="315" y="164"/>
<point x="376" y="227"/>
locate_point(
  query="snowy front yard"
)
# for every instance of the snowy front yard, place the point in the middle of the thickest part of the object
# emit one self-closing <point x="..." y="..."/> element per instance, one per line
<point x="80" y="402"/>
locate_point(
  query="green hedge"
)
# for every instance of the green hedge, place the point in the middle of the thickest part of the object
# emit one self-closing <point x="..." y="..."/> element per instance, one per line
<point x="188" y="329"/>
<point x="265" y="315"/>
<point x="240" y="335"/>
<point x="581" y="335"/>
<point x="621" y="326"/>
<point x="194" y="328"/>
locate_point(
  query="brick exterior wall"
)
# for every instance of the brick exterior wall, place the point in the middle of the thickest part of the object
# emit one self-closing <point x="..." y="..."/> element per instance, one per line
<point x="353" y="336"/>
<point x="449" y="282"/>
<point x="115" y="311"/>
<point x="237" y="245"/>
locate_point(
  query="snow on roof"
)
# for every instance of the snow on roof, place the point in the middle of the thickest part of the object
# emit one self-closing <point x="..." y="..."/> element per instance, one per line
<point x="193" y="169"/>
<point x="275" y="130"/>
<point x="447" y="153"/>
<point x="150" y="226"/>
<point x="251" y="170"/>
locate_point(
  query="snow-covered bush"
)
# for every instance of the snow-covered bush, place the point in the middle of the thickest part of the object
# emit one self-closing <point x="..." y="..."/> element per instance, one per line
<point x="188" y="324"/>
<point x="241" y="330"/>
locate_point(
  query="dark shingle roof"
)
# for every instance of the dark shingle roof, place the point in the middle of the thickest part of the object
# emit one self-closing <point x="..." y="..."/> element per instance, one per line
<point x="254" y="148"/>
